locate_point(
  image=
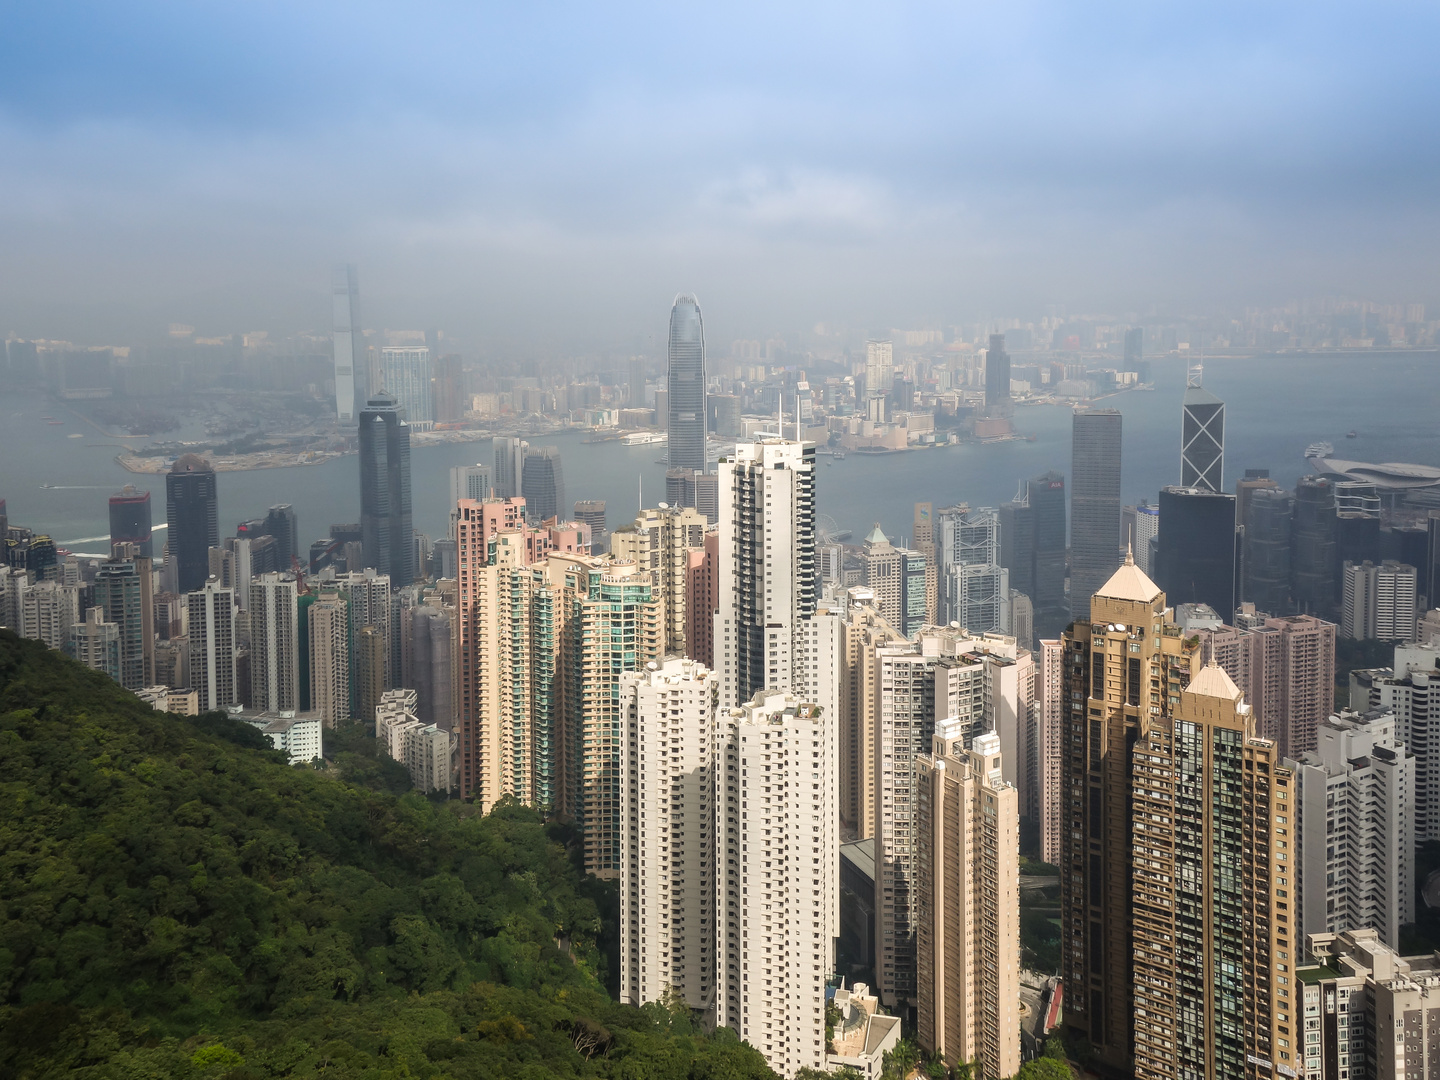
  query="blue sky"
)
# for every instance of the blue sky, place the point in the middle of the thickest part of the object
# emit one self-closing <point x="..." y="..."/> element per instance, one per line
<point x="556" y="172"/>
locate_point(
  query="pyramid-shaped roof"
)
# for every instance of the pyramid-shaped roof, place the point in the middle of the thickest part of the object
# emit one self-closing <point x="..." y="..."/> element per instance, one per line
<point x="1129" y="583"/>
<point x="876" y="536"/>
<point x="1214" y="682"/>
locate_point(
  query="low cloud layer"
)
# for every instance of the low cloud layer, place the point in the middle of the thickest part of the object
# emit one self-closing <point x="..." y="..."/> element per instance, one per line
<point x="550" y="179"/>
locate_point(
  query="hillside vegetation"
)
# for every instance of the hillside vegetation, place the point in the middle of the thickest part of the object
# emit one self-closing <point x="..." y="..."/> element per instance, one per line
<point x="176" y="901"/>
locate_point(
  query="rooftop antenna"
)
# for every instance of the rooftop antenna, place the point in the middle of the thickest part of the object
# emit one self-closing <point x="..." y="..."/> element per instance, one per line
<point x="641" y="481"/>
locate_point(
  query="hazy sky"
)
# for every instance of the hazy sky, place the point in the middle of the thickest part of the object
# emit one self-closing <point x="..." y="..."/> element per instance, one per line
<point x="557" y="172"/>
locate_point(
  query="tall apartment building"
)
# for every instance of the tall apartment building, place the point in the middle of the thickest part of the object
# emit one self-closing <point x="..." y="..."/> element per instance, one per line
<point x="660" y="542"/>
<point x="1411" y="690"/>
<point x="702" y="599"/>
<point x="1212" y="882"/>
<point x="1120" y="672"/>
<point x="924" y="540"/>
<point x="212" y="646"/>
<point x="1378" y="602"/>
<point x="864" y="632"/>
<point x="95" y="642"/>
<point x="368" y="603"/>
<point x="968" y="903"/>
<point x="897" y="577"/>
<point x="668" y="931"/>
<point x="613" y="625"/>
<point x="274" y="643"/>
<point x="124" y="591"/>
<point x="1044" y="806"/>
<point x="231" y="566"/>
<point x="769" y="586"/>
<point x="46" y="610"/>
<point x="1094" y="503"/>
<point x="328" y="628"/>
<point x="1286" y="667"/>
<point x="977" y="683"/>
<point x="1355" y="822"/>
<point x="777" y="859"/>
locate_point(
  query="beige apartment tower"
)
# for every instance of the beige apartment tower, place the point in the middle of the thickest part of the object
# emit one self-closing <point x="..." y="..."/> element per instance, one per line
<point x="660" y="542"/>
<point x="968" y="903"/>
<point x="1121" y="670"/>
<point x="667" y="887"/>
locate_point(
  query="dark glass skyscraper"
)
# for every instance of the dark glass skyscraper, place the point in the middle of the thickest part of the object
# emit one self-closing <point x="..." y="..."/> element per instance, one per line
<point x="282" y="523"/>
<point x="386" y="534"/>
<point x="1268" y="513"/>
<point x="1095" y="505"/>
<point x="1032" y="548"/>
<point x="685" y="384"/>
<point x="130" y="519"/>
<point x="997" y="376"/>
<point x="543" y="484"/>
<point x="1196" y="548"/>
<point x="1202" y="440"/>
<point x="1315" y="562"/>
<point x="192" y="514"/>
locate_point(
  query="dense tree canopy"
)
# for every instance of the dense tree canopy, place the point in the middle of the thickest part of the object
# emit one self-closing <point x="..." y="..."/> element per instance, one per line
<point x="175" y="901"/>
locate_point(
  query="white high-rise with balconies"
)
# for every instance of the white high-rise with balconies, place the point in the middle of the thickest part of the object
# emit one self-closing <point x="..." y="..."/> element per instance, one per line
<point x="667" y="885"/>
<point x="776" y="860"/>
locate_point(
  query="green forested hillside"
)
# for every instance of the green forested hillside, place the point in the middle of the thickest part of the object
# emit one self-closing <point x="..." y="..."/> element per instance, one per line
<point x="177" y="902"/>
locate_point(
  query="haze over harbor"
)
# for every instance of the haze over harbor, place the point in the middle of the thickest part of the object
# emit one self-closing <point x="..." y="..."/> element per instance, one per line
<point x="1278" y="406"/>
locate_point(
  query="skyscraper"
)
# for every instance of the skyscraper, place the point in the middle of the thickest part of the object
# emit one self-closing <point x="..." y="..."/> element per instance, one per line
<point x="543" y="484"/>
<point x="274" y="643"/>
<point x="130" y="519"/>
<point x="1042" y="521"/>
<point x="896" y="577"/>
<point x="879" y="379"/>
<point x="1268" y="522"/>
<point x="1110" y="702"/>
<point x="997" y="377"/>
<point x="668" y="814"/>
<point x="328" y="628"/>
<point x="124" y="593"/>
<point x="212" y="646"/>
<point x="1196" y="548"/>
<point x="509" y="466"/>
<point x="405" y="372"/>
<point x="768" y="578"/>
<point x="469" y="482"/>
<point x="1314" y="560"/>
<point x="685" y="384"/>
<point x="348" y="342"/>
<point x="283" y="524"/>
<point x="1355" y="827"/>
<point x="193" y="518"/>
<point x="1094" y="505"/>
<point x="968" y="903"/>
<point x="658" y="543"/>
<point x="776" y="857"/>
<point x="591" y="512"/>
<point x="1202" y="438"/>
<point x="386" y="533"/>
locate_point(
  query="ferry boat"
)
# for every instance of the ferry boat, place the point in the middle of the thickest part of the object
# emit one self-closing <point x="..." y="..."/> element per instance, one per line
<point x="1352" y="435"/>
<point x="1319" y="450"/>
<point x="643" y="438"/>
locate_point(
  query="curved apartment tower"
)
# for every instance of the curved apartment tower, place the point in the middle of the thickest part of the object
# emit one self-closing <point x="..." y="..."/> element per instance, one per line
<point x="686" y="385"/>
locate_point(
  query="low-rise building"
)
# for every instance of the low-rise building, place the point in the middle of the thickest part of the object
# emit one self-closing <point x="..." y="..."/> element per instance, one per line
<point x="862" y="1035"/>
